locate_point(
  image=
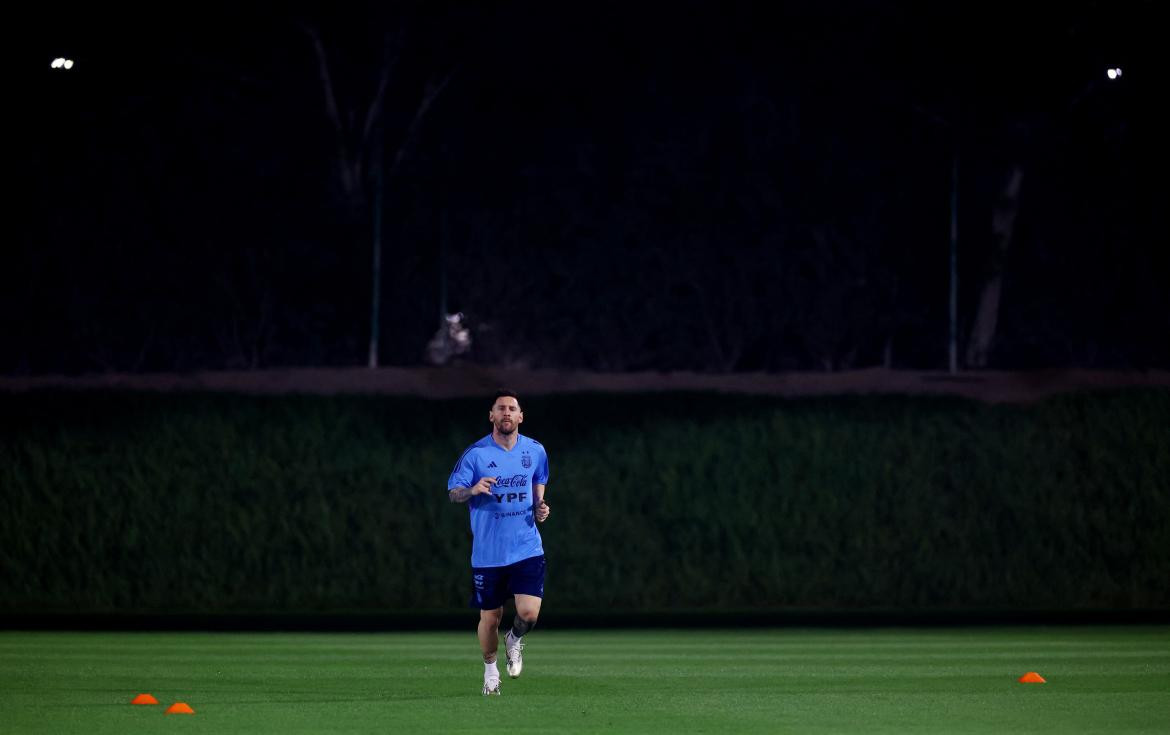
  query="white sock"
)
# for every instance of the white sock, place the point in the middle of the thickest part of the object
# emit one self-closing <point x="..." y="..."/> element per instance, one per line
<point x="490" y="668"/>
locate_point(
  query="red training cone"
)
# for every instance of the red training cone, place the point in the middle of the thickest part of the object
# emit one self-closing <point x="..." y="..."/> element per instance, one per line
<point x="144" y="699"/>
<point x="1032" y="678"/>
<point x="180" y="708"/>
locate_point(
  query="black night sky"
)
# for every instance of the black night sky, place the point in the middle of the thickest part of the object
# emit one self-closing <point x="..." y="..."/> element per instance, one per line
<point x="602" y="186"/>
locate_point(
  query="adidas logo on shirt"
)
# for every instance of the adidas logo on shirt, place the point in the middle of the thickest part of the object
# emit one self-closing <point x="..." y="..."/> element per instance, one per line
<point x="493" y="464"/>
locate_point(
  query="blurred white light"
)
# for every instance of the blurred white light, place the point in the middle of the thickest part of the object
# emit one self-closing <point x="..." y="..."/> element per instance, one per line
<point x="1113" y="72"/>
<point x="68" y="63"/>
<point x="57" y="63"/>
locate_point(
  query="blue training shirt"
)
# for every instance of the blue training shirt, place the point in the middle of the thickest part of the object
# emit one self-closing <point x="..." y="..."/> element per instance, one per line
<point x="502" y="524"/>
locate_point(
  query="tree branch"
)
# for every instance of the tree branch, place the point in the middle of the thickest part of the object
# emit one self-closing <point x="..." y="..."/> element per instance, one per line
<point x="347" y="180"/>
<point x="375" y="109"/>
<point x="433" y="90"/>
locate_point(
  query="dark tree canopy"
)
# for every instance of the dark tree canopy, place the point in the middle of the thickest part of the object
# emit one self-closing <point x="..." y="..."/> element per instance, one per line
<point x="716" y="187"/>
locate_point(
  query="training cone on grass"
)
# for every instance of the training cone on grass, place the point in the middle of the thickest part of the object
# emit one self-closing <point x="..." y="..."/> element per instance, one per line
<point x="144" y="699"/>
<point x="1032" y="678"/>
<point x="180" y="708"/>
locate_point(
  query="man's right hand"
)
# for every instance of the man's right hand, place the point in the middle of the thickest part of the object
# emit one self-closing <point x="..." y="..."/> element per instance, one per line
<point x="484" y="486"/>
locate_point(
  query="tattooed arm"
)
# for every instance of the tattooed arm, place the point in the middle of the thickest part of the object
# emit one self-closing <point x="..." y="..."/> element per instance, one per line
<point x="463" y="494"/>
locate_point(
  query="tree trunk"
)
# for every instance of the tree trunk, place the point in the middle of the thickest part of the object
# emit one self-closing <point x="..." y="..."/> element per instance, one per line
<point x="987" y="313"/>
<point x="376" y="266"/>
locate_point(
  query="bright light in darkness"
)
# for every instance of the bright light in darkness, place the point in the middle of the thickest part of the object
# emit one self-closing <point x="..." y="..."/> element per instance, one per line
<point x="1113" y="72"/>
<point x="61" y="63"/>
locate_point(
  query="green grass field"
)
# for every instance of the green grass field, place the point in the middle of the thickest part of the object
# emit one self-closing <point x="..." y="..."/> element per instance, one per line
<point x="1114" y="680"/>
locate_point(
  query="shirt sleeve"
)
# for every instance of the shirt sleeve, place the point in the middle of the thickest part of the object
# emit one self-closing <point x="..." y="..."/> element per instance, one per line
<point x="540" y="476"/>
<point x="463" y="474"/>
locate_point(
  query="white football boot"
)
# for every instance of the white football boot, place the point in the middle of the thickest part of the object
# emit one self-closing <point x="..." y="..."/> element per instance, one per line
<point x="514" y="652"/>
<point x="491" y="682"/>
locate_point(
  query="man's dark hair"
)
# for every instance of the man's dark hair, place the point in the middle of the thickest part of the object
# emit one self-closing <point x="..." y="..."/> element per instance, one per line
<point x="505" y="393"/>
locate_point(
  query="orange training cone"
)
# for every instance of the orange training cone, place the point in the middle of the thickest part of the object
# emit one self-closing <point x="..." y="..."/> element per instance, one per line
<point x="144" y="699"/>
<point x="180" y="708"/>
<point x="1032" y="678"/>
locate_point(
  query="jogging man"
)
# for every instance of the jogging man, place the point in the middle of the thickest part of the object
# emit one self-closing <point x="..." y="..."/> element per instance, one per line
<point x="502" y="479"/>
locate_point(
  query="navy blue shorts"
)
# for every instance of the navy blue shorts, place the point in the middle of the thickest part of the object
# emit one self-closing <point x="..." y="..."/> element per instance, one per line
<point x="492" y="586"/>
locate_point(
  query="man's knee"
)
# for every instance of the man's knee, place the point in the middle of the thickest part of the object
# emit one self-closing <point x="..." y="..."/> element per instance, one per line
<point x="492" y="617"/>
<point x="528" y="609"/>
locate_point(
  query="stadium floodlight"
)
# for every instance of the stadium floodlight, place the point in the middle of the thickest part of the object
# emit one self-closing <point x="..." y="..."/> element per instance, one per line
<point x="1113" y="72"/>
<point x="61" y="63"/>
